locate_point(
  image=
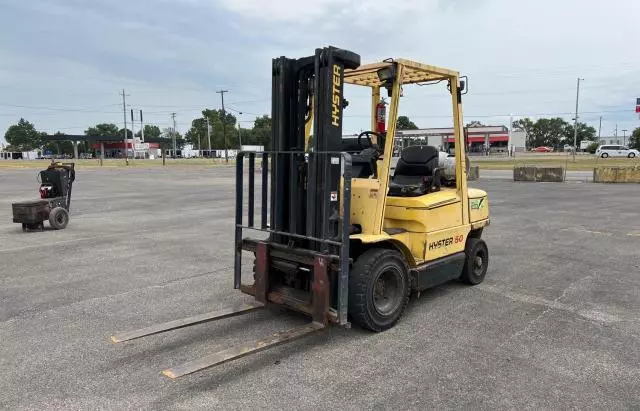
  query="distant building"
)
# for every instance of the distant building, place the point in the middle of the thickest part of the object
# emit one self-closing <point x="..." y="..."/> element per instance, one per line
<point x="479" y="139"/>
<point x="614" y="140"/>
<point x="136" y="148"/>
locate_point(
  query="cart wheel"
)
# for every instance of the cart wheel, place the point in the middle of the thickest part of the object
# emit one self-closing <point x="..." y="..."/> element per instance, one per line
<point x="58" y="218"/>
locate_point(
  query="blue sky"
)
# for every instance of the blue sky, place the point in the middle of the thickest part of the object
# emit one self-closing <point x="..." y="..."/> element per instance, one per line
<point x="64" y="63"/>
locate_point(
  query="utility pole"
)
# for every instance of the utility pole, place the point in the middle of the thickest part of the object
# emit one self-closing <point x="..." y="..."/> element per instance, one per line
<point x="124" y="114"/>
<point x="173" y="135"/>
<point x="224" y="125"/>
<point x="510" y="143"/>
<point x="239" y="137"/>
<point x="141" y="127"/>
<point x="624" y="137"/>
<point x="599" y="129"/>
<point x="133" y="134"/>
<point x="575" y="121"/>
<point x="616" y="134"/>
<point x="209" y="136"/>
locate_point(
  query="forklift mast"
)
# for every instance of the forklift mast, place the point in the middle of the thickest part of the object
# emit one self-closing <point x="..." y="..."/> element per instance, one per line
<point x="305" y="171"/>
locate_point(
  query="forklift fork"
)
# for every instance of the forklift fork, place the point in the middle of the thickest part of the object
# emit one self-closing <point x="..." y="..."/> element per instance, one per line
<point x="185" y="322"/>
<point x="319" y="312"/>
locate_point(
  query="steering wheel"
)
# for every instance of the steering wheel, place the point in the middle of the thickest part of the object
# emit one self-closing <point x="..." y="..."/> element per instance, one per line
<point x="368" y="134"/>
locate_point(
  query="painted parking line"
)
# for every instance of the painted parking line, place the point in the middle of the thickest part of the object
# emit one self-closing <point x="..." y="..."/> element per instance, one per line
<point x="583" y="230"/>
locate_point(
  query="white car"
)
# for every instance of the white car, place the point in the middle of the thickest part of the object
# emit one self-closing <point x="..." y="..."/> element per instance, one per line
<point x="612" y="150"/>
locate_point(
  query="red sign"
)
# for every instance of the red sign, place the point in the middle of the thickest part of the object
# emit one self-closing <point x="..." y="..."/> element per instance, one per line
<point x="637" y="109"/>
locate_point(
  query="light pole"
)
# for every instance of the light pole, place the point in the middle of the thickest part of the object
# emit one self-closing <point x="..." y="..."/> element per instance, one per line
<point x="575" y="121"/>
<point x="624" y="137"/>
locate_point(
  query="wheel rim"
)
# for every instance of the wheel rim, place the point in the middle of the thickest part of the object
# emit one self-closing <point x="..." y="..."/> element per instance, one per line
<point x="60" y="219"/>
<point x="386" y="290"/>
<point x="479" y="261"/>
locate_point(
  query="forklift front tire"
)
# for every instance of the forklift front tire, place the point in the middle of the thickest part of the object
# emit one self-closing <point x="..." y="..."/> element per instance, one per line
<point x="378" y="289"/>
<point x="58" y="218"/>
<point x="476" y="261"/>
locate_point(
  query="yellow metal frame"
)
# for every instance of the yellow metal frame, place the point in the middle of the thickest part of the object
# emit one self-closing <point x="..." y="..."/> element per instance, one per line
<point x="433" y="225"/>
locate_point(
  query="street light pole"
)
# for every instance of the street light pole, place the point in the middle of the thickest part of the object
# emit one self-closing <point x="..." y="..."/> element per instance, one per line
<point x="575" y="121"/>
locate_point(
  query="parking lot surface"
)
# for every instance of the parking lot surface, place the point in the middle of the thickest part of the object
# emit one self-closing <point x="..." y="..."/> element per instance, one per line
<point x="554" y="325"/>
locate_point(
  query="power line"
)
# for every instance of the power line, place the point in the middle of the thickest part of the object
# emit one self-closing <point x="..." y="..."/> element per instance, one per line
<point x="82" y="110"/>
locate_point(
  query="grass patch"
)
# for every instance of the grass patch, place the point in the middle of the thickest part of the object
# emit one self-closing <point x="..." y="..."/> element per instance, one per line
<point x="582" y="163"/>
<point x="118" y="163"/>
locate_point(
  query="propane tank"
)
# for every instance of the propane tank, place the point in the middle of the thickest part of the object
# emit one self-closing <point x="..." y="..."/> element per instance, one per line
<point x="381" y="114"/>
<point x="447" y="165"/>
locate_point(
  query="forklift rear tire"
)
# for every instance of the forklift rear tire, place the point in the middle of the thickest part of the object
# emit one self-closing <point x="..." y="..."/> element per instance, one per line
<point x="476" y="262"/>
<point x="58" y="218"/>
<point x="378" y="289"/>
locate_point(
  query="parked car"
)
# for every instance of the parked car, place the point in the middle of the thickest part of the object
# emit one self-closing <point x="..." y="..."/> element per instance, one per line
<point x="543" y="149"/>
<point x="612" y="150"/>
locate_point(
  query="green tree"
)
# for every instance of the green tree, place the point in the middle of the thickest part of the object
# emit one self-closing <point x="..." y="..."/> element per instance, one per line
<point x="585" y="132"/>
<point x="404" y="123"/>
<point x="102" y="130"/>
<point x="198" y="131"/>
<point x="591" y="149"/>
<point x="544" y="132"/>
<point x="121" y="134"/>
<point x="261" y="132"/>
<point x="150" y="131"/>
<point x="167" y="134"/>
<point x="197" y="134"/>
<point x="634" y="139"/>
<point x="474" y="123"/>
<point x="23" y="136"/>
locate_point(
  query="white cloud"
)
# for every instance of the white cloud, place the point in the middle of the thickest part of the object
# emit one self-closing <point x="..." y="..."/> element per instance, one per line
<point x="370" y="12"/>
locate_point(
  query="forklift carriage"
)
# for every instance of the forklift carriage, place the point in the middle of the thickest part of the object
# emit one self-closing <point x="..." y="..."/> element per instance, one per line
<point x="55" y="199"/>
<point x="340" y="239"/>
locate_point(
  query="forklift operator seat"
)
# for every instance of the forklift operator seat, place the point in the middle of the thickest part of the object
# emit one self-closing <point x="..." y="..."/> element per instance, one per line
<point x="416" y="172"/>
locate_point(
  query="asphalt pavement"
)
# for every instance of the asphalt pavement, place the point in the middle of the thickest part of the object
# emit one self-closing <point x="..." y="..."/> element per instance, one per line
<point x="554" y="326"/>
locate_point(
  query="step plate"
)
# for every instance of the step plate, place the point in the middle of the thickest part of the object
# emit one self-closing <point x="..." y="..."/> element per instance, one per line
<point x="241" y="351"/>
<point x="185" y="322"/>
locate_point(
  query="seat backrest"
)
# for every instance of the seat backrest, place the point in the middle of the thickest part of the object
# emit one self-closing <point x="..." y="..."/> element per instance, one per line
<point x="57" y="178"/>
<point x="417" y="161"/>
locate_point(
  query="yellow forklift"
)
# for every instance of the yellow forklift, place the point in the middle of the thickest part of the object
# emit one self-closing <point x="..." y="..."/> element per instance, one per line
<point x="339" y="236"/>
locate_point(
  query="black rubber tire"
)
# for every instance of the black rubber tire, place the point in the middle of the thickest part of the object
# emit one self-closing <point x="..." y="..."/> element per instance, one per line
<point x="631" y="155"/>
<point x="472" y="273"/>
<point x="604" y="155"/>
<point x="368" y="268"/>
<point x="58" y="218"/>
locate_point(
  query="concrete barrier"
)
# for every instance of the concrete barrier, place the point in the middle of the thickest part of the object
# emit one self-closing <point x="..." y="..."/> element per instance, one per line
<point x="550" y="174"/>
<point x="616" y="174"/>
<point x="524" y="174"/>
<point x="539" y="174"/>
<point x="474" y="173"/>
